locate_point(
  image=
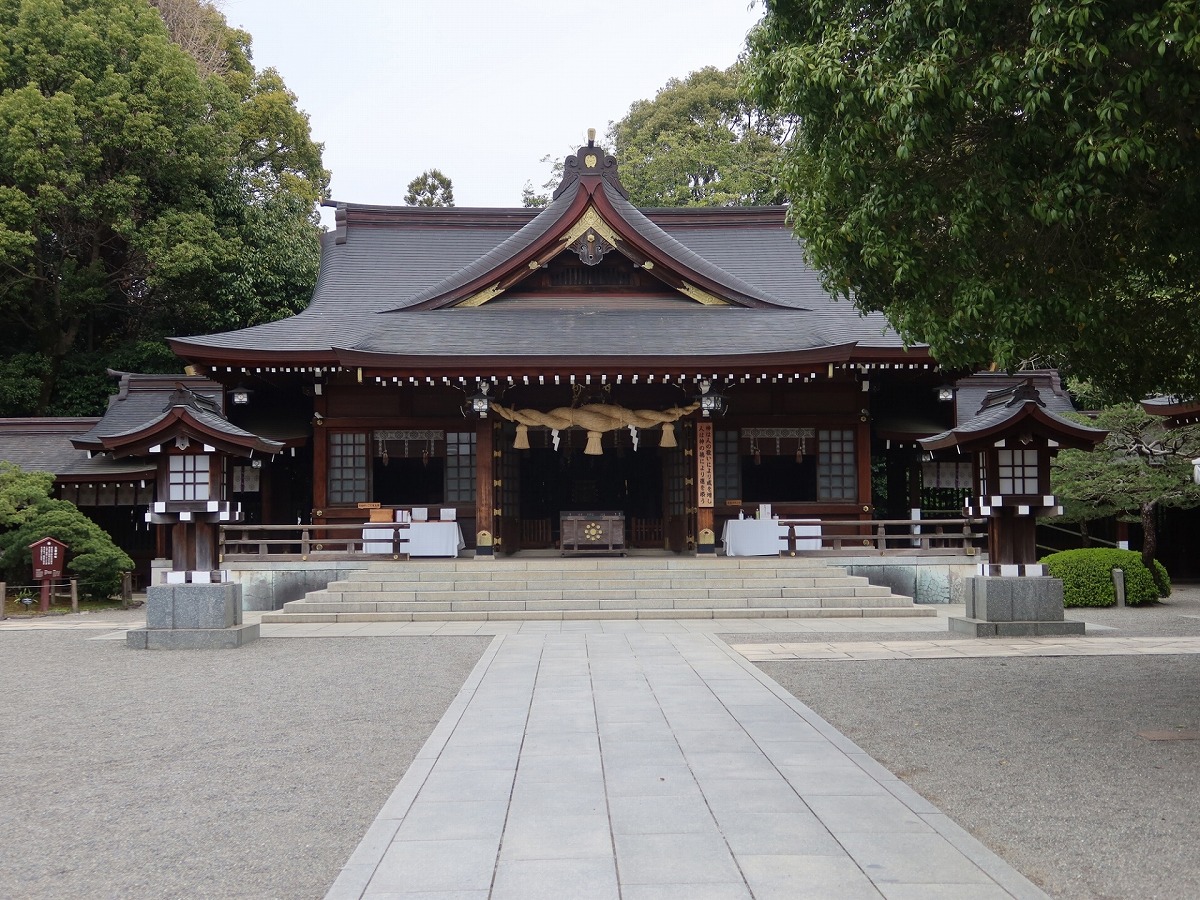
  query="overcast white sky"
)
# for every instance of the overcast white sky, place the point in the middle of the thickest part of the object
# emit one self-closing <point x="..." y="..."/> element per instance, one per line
<point x="480" y="90"/>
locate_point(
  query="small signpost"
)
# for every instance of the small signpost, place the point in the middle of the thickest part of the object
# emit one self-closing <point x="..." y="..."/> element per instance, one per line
<point x="49" y="557"/>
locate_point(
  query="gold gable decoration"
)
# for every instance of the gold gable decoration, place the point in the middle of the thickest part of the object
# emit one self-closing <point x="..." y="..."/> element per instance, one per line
<point x="589" y="221"/>
<point x="596" y="419"/>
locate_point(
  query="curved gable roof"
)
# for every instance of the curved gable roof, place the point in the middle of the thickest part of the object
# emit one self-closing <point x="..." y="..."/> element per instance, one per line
<point x="1007" y="409"/>
<point x="590" y="200"/>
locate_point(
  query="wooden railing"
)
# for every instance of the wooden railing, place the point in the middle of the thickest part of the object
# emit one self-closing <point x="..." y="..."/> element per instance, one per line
<point x="908" y="536"/>
<point x="837" y="536"/>
<point x="324" y="541"/>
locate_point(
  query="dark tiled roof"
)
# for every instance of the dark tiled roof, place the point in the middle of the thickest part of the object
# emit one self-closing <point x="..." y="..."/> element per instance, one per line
<point x="1010" y="403"/>
<point x="702" y="331"/>
<point x="672" y="247"/>
<point x="217" y="424"/>
<point x="549" y="218"/>
<point x="395" y="257"/>
<point x="143" y="398"/>
<point x="44" y="445"/>
<point x="971" y="392"/>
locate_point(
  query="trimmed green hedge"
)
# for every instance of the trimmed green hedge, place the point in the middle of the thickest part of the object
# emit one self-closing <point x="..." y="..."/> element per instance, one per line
<point x="1087" y="576"/>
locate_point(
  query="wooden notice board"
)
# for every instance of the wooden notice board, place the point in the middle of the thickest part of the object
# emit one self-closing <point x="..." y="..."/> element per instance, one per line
<point x="704" y="465"/>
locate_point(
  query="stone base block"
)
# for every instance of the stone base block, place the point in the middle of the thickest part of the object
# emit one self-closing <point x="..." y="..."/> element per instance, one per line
<point x="193" y="617"/>
<point x="981" y="628"/>
<point x="175" y="606"/>
<point x="1018" y="599"/>
<point x="191" y="638"/>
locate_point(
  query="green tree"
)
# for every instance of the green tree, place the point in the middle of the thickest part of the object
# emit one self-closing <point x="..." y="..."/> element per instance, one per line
<point x="141" y="194"/>
<point x="28" y="513"/>
<point x="430" y="188"/>
<point x="1140" y="467"/>
<point x="700" y="142"/>
<point x="1002" y="179"/>
<point x="533" y="198"/>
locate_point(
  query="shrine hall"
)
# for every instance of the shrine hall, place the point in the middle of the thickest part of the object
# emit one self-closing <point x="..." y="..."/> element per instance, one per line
<point x="674" y="367"/>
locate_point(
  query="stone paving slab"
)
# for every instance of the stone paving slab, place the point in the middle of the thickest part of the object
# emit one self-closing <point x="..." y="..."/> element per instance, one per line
<point x="970" y="648"/>
<point x="653" y="765"/>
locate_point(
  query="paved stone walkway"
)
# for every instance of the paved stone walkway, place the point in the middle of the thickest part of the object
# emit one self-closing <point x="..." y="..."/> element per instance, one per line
<point x="962" y="649"/>
<point x="639" y="765"/>
<point x="648" y="759"/>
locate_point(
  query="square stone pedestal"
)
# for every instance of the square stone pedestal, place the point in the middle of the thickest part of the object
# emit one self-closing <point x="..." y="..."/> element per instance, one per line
<point x="1023" y="606"/>
<point x="193" y="617"/>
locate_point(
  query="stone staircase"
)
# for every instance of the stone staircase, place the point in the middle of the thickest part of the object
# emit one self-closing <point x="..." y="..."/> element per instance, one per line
<point x="596" y="588"/>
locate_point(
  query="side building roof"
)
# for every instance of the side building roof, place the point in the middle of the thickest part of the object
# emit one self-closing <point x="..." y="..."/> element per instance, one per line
<point x="44" y="445"/>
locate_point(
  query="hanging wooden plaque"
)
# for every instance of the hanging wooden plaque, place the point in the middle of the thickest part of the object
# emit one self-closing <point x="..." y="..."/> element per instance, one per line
<point x="704" y="465"/>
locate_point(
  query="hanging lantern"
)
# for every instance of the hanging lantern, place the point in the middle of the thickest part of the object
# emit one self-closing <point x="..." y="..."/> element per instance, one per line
<point x="712" y="402"/>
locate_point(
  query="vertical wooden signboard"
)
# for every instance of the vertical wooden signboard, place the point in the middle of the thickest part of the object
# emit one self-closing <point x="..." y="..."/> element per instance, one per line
<point x="704" y="465"/>
<point x="705" y="492"/>
<point x="49" y="556"/>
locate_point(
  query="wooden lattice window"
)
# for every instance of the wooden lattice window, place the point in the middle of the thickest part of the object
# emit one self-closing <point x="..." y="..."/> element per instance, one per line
<point x="837" y="478"/>
<point x="348" y="467"/>
<point x="187" y="477"/>
<point x="1017" y="471"/>
<point x="727" y="468"/>
<point x="460" y="467"/>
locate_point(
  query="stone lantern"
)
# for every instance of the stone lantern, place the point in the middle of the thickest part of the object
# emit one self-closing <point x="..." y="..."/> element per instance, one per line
<point x="1010" y="442"/>
<point x="191" y="439"/>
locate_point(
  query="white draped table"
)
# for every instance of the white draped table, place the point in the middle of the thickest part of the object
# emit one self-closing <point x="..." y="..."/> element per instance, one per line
<point x="767" y="537"/>
<point x="417" y="539"/>
<point x="435" y="539"/>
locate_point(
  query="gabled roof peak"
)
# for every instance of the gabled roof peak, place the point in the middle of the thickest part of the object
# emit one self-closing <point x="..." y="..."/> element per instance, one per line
<point x="186" y="397"/>
<point x="590" y="162"/>
<point x="1012" y="396"/>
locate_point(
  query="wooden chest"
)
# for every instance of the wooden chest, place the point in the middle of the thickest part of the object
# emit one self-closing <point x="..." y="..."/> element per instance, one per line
<point x="592" y="532"/>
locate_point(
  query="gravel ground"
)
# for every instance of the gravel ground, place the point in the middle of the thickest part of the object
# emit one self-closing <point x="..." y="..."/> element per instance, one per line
<point x="1040" y="758"/>
<point x="254" y="773"/>
<point x="247" y="773"/>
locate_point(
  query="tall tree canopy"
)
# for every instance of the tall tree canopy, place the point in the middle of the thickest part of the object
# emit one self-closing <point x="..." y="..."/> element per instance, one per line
<point x="145" y="190"/>
<point x="1140" y="467"/>
<point x="430" y="188"/>
<point x="700" y="142"/>
<point x="1003" y="179"/>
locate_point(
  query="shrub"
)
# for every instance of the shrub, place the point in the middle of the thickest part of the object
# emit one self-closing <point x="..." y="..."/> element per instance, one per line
<point x="91" y="554"/>
<point x="1087" y="576"/>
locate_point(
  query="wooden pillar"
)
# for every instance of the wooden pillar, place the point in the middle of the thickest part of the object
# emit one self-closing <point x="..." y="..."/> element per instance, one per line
<point x="206" y="544"/>
<point x="320" y="457"/>
<point x="183" y="554"/>
<point x="862" y="455"/>
<point x="485" y="476"/>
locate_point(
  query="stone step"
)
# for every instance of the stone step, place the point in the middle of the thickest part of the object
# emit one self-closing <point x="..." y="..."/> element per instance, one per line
<point x="858" y="592"/>
<point x="605" y="563"/>
<point x="388" y="603"/>
<point x="364" y="585"/>
<point x="501" y="615"/>
<point x="606" y="587"/>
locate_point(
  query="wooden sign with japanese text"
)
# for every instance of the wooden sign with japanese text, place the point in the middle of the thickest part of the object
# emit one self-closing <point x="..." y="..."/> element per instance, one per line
<point x="49" y="557"/>
<point x="705" y="492"/>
